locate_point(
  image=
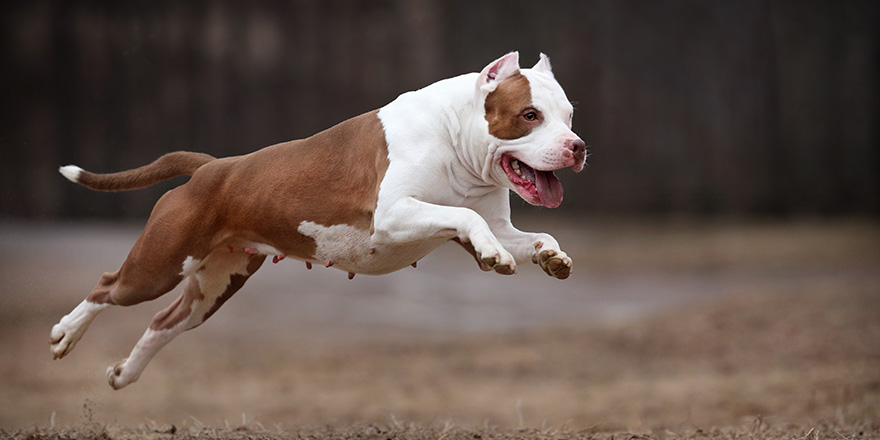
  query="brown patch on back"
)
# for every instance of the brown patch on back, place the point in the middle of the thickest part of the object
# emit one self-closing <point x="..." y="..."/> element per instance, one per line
<point x="330" y="178"/>
<point x="504" y="105"/>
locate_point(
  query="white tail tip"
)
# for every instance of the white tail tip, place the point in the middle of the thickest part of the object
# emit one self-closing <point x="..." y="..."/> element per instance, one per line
<point x="71" y="172"/>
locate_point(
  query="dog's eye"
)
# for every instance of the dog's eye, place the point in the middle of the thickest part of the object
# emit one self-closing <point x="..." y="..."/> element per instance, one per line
<point x="531" y="116"/>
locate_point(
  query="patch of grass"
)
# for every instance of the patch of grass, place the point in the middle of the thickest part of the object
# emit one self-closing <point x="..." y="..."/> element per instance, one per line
<point x="795" y="355"/>
<point x="759" y="429"/>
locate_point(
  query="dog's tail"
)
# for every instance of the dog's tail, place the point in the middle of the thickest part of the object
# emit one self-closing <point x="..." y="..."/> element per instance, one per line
<point x="179" y="163"/>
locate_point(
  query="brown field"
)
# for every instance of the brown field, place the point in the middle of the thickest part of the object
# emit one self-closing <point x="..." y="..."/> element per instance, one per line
<point x="665" y="330"/>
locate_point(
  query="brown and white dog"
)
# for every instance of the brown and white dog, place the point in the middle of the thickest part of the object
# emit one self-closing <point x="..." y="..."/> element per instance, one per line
<point x="371" y="195"/>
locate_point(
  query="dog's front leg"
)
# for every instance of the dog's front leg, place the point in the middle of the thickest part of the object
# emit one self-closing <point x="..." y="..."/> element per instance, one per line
<point x="410" y="220"/>
<point x="539" y="248"/>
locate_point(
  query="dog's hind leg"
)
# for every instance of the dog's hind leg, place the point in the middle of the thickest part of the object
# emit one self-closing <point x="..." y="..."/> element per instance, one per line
<point x="72" y="326"/>
<point x="113" y="289"/>
<point x="208" y="286"/>
<point x="153" y="268"/>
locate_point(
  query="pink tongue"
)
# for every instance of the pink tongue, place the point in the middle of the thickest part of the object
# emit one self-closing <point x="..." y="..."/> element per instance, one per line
<point x="549" y="188"/>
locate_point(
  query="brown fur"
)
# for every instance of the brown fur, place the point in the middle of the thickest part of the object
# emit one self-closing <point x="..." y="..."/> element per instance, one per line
<point x="505" y="105"/>
<point x="260" y="197"/>
<point x="179" y="163"/>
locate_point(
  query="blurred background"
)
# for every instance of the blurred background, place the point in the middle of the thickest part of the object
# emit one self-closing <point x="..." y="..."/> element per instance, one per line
<point x="697" y="107"/>
<point x="725" y="236"/>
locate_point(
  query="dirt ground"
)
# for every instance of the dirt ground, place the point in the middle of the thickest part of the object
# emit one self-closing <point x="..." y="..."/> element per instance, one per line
<point x="665" y="330"/>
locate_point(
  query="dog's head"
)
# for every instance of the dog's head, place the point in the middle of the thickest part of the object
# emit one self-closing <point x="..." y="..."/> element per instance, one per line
<point x="529" y="123"/>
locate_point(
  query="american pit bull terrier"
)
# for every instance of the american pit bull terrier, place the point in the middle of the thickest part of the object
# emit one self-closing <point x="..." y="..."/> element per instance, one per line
<point x="371" y="195"/>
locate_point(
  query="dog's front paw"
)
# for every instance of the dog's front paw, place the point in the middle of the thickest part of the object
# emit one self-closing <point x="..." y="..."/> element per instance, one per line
<point x="501" y="262"/>
<point x="555" y="262"/>
<point x="491" y="255"/>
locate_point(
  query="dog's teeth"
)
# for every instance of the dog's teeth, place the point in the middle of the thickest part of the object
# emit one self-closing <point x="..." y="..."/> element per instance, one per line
<point x="515" y="165"/>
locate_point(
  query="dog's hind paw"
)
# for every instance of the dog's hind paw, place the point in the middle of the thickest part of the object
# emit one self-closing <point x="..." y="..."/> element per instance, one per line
<point x="116" y="375"/>
<point x="71" y="327"/>
<point x="60" y="342"/>
<point x="63" y="338"/>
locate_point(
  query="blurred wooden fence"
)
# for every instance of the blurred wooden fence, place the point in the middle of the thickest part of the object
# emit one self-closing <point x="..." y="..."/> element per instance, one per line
<point x="707" y="107"/>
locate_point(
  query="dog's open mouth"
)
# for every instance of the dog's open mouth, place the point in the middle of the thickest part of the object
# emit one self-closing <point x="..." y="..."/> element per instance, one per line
<point x="534" y="186"/>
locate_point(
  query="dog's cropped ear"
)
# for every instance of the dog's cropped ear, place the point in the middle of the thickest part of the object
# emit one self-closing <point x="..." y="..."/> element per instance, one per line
<point x="543" y="65"/>
<point x="497" y="71"/>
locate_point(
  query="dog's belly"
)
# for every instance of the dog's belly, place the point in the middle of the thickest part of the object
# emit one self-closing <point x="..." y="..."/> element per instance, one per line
<point x="350" y="249"/>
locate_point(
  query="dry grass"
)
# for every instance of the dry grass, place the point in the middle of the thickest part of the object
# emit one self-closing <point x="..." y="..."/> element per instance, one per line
<point x="795" y="358"/>
<point x="757" y="429"/>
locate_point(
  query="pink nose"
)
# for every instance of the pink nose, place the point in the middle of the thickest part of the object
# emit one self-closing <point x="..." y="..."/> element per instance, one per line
<point x="577" y="146"/>
<point x="578" y="149"/>
<point x="575" y="150"/>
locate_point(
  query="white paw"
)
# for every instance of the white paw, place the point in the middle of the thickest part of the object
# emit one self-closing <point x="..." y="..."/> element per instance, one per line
<point x="117" y="375"/>
<point x="554" y="262"/>
<point x="72" y="327"/>
<point x="492" y="256"/>
<point x="62" y="339"/>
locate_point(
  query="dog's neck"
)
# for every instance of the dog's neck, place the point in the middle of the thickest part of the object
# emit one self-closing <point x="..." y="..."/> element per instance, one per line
<point x="474" y="162"/>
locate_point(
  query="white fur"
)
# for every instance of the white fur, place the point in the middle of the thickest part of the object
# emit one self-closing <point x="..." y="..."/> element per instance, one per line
<point x="190" y="266"/>
<point x="71" y="172"/>
<point x="543" y="65"/>
<point x="444" y="174"/>
<point x="217" y="272"/>
<point x="341" y="244"/>
<point x="348" y="248"/>
<point x="72" y="326"/>
<point x="129" y="369"/>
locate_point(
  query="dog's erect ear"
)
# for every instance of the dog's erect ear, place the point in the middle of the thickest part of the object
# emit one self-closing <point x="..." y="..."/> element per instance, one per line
<point x="543" y="65"/>
<point x="497" y="71"/>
